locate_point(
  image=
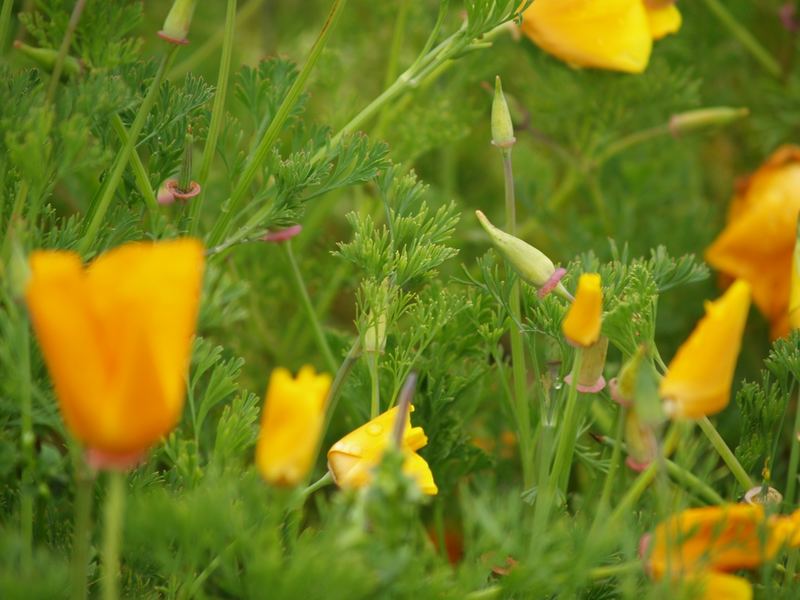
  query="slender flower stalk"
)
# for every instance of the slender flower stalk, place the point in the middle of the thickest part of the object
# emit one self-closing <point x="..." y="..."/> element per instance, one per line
<point x="256" y="159"/>
<point x="112" y="534"/>
<point x="753" y="46"/>
<point x="95" y="219"/>
<point x="319" y="333"/>
<point x="794" y="458"/>
<point x="725" y="453"/>
<point x="27" y="443"/>
<point x="5" y="23"/>
<point x="217" y="112"/>
<point x="84" y="486"/>
<point x="562" y="464"/>
<point x="74" y="18"/>
<point x="139" y="170"/>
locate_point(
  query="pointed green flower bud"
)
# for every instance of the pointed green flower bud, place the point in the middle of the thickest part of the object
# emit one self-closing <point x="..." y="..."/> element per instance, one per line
<point x="703" y="118"/>
<point x="502" y="126"/>
<point x="46" y="59"/>
<point x="176" y="25"/>
<point x="623" y="386"/>
<point x="531" y="264"/>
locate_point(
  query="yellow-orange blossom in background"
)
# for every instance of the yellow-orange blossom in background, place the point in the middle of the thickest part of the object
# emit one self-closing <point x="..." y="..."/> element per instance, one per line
<point x="116" y="337"/>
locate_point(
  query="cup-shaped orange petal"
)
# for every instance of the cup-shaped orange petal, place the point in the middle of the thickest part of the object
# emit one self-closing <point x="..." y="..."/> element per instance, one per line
<point x="718" y="538"/>
<point x="794" y="291"/>
<point x="581" y="326"/>
<point x="698" y="381"/>
<point x="758" y="242"/>
<point x="116" y="338"/>
<point x="291" y="423"/>
<point x="352" y="459"/>
<point x="605" y="34"/>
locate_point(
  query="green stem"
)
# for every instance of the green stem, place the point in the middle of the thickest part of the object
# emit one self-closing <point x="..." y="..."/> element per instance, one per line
<point x="123" y="156"/>
<point x="394" y="57"/>
<point x="205" y="50"/>
<point x="794" y="459"/>
<point x="634" y="492"/>
<point x="605" y="572"/>
<point x="16" y="211"/>
<point x="84" y="485"/>
<point x="336" y="387"/>
<point x="139" y="170"/>
<point x="518" y="369"/>
<point x="319" y="334"/>
<point x="320" y="483"/>
<point x="725" y="453"/>
<point x="231" y="207"/>
<point x="616" y="455"/>
<point x="758" y="52"/>
<point x="217" y="113"/>
<point x="630" y="140"/>
<point x="27" y="442"/>
<point x="375" y="394"/>
<point x="562" y="464"/>
<point x="5" y="23"/>
<point x="112" y="534"/>
<point x="58" y="66"/>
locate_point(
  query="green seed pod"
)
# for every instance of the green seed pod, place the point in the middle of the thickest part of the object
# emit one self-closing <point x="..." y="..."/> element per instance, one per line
<point x="502" y="126"/>
<point x="531" y="264"/>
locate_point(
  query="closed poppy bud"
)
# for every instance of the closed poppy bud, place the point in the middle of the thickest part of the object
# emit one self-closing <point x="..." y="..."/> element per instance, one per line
<point x="703" y="118"/>
<point x="641" y="442"/>
<point x="46" y="58"/>
<point x="604" y="34"/>
<point x="590" y="378"/>
<point x="116" y="338"/>
<point x="758" y="242"/>
<point x="352" y="459"/>
<point x="179" y="19"/>
<point x="623" y="386"/>
<point x="502" y="126"/>
<point x="531" y="264"/>
<point x="698" y="381"/>
<point x="291" y="423"/>
<point x="581" y="326"/>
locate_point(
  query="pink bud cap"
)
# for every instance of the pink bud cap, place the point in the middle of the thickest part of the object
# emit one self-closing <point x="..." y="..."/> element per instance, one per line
<point x="179" y="194"/>
<point x="103" y="461"/>
<point x="552" y="282"/>
<point x="282" y="235"/>
<point x="635" y="465"/>
<point x="596" y="387"/>
<point x="616" y="394"/>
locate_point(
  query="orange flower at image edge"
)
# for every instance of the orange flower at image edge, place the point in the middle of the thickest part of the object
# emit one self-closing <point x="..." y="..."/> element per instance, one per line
<point x="116" y="338"/>
<point x="758" y="241"/>
<point x="291" y="423"/>
<point x="701" y="544"/>
<point x="605" y="34"/>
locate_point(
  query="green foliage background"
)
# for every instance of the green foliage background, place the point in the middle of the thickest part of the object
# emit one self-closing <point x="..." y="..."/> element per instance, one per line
<point x="392" y="201"/>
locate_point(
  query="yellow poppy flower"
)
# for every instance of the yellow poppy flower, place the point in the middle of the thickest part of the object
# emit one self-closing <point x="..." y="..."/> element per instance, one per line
<point x="291" y="423"/>
<point x="116" y="337"/>
<point x="352" y="458"/>
<point x="605" y="34"/>
<point x="758" y="242"/>
<point x="718" y="538"/>
<point x="719" y="586"/>
<point x="581" y="326"/>
<point x="698" y="381"/>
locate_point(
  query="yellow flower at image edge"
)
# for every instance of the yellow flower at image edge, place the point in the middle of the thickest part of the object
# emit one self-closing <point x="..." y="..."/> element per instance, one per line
<point x="758" y="242"/>
<point x="581" y="326"/>
<point x="698" y="380"/>
<point x="291" y="423"/>
<point x="353" y="457"/>
<point x="116" y="338"/>
<point x="605" y="34"/>
<point x="702" y="544"/>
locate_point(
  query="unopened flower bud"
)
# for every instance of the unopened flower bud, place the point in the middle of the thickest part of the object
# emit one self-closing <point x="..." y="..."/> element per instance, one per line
<point x="590" y="378"/>
<point x="502" y="126"/>
<point x="46" y="59"/>
<point x="282" y="235"/>
<point x="176" y="25"/>
<point x="703" y="118"/>
<point x="623" y="386"/>
<point x="531" y="264"/>
<point x="641" y="442"/>
<point x="375" y="335"/>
